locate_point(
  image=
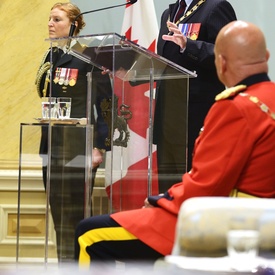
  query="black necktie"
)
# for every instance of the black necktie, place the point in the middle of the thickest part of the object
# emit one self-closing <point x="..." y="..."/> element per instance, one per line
<point x="181" y="9"/>
<point x="57" y="54"/>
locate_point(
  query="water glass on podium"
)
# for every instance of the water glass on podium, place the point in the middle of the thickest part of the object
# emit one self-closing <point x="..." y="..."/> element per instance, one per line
<point x="64" y="107"/>
<point x="48" y="105"/>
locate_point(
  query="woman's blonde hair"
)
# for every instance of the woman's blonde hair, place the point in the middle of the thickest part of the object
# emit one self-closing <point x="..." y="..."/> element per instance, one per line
<point x="72" y="11"/>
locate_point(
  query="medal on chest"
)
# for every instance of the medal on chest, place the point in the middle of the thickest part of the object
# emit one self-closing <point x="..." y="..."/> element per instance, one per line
<point x="65" y="76"/>
<point x="190" y="30"/>
<point x="73" y="77"/>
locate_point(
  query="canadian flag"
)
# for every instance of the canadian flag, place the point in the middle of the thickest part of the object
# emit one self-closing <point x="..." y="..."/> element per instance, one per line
<point x="126" y="176"/>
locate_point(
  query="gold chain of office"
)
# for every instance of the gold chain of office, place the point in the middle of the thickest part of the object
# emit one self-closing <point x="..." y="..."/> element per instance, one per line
<point x="189" y="12"/>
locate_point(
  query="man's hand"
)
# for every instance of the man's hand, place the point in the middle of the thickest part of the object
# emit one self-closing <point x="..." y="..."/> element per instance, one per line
<point x="175" y="35"/>
<point x="147" y="204"/>
<point x="97" y="158"/>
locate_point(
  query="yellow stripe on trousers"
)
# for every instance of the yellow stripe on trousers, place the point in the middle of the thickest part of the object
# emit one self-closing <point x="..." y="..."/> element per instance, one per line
<point x="98" y="235"/>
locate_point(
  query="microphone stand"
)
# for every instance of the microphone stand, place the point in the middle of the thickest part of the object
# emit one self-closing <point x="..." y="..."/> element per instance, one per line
<point x="73" y="26"/>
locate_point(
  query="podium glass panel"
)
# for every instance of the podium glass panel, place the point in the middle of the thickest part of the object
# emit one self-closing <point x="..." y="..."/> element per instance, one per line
<point x="134" y="73"/>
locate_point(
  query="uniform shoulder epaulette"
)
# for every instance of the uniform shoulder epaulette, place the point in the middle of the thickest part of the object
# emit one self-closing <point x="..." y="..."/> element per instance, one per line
<point x="79" y="47"/>
<point x="230" y="92"/>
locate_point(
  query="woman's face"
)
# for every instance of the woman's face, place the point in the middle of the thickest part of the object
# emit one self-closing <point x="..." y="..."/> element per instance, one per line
<point x="59" y="24"/>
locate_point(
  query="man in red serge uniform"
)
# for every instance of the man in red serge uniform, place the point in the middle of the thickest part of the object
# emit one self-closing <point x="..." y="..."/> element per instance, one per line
<point x="234" y="153"/>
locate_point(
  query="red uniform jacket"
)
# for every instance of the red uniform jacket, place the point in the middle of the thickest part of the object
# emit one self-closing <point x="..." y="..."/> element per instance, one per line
<point x="236" y="149"/>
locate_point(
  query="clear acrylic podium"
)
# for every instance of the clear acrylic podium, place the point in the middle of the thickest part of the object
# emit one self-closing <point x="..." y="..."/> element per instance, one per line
<point x="130" y="173"/>
<point x="128" y="113"/>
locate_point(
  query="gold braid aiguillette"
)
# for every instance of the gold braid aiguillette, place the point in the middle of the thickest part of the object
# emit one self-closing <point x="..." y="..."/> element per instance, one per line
<point x="45" y="68"/>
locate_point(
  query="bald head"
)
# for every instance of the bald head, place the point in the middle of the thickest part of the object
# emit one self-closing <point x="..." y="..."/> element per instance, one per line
<point x="240" y="51"/>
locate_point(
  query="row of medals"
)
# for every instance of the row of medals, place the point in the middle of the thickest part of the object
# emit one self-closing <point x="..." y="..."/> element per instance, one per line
<point x="65" y="76"/>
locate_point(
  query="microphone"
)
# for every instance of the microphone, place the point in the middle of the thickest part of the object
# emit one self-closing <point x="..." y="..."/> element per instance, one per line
<point x="73" y="26"/>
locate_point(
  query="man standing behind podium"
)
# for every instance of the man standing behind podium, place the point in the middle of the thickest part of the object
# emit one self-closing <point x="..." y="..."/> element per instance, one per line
<point x="187" y="36"/>
<point x="67" y="182"/>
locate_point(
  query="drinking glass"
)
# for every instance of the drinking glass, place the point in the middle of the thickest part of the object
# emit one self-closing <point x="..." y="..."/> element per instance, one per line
<point x="64" y="107"/>
<point x="48" y="105"/>
<point x="243" y="242"/>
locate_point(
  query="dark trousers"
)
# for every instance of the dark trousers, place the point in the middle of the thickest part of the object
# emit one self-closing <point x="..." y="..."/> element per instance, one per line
<point x="171" y="164"/>
<point x="197" y="112"/>
<point x="101" y="239"/>
<point x="67" y="185"/>
<point x="176" y="159"/>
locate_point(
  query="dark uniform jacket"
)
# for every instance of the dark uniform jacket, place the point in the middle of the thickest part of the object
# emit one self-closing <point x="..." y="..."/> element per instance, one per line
<point x="199" y="57"/>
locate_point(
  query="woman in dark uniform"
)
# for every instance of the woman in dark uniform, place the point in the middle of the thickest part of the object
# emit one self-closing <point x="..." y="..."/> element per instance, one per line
<point x="67" y="169"/>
